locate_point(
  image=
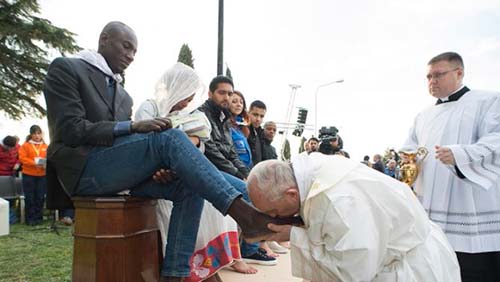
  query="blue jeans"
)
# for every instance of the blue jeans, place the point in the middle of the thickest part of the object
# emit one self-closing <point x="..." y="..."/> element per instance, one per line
<point x="247" y="249"/>
<point x="130" y="164"/>
<point x="35" y="189"/>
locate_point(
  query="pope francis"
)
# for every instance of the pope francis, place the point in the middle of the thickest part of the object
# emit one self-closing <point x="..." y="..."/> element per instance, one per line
<point x="360" y="225"/>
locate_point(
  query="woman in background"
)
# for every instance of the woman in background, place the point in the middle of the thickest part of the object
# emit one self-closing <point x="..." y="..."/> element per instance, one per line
<point x="32" y="156"/>
<point x="239" y="130"/>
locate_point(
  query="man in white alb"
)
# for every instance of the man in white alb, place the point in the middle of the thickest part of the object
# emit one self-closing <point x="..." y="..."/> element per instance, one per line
<point x="459" y="182"/>
<point x="359" y="225"/>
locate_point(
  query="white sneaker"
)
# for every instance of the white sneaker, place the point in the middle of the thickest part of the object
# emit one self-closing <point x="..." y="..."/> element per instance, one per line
<point x="277" y="248"/>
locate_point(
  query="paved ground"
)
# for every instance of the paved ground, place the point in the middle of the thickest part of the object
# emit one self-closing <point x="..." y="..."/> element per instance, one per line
<point x="277" y="273"/>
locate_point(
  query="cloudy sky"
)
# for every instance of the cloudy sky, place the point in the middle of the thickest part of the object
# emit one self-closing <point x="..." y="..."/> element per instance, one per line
<point x="380" y="49"/>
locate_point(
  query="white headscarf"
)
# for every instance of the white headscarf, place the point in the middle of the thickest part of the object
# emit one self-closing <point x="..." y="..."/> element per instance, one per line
<point x="176" y="84"/>
<point x="97" y="60"/>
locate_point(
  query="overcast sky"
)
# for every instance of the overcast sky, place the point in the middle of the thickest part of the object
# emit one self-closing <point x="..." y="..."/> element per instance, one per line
<point x="380" y="49"/>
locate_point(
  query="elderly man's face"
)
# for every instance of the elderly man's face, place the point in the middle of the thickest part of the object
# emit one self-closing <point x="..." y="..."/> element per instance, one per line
<point x="288" y="205"/>
<point x="391" y="164"/>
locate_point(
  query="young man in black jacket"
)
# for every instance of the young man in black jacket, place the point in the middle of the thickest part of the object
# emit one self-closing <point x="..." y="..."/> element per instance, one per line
<point x="220" y="149"/>
<point x="255" y="139"/>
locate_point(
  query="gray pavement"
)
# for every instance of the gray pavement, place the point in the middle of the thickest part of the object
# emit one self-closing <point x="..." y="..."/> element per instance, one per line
<point x="278" y="273"/>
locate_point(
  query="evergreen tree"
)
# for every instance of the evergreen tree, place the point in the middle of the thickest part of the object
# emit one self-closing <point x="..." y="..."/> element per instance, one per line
<point x="186" y="56"/>
<point x="25" y="40"/>
<point x="285" y="151"/>
<point x="228" y="73"/>
<point x="302" y="142"/>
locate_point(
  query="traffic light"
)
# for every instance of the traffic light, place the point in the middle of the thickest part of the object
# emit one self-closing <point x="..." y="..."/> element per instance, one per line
<point x="301" y="121"/>
<point x="299" y="128"/>
<point x="302" y="116"/>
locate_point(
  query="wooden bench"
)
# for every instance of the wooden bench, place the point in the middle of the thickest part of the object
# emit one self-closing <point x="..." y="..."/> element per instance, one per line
<point x="116" y="239"/>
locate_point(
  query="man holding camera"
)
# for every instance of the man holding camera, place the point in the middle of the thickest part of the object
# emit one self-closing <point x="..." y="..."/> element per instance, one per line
<point x="331" y="142"/>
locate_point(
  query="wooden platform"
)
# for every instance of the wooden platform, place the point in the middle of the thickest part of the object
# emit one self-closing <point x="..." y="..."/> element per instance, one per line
<point x="116" y="239"/>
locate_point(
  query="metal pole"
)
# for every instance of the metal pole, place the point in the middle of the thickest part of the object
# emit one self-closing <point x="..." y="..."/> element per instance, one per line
<point x="290" y="105"/>
<point x="220" y="44"/>
<point x="316" y="102"/>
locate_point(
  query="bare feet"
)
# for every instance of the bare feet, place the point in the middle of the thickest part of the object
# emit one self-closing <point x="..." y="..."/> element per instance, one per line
<point x="268" y="250"/>
<point x="243" y="267"/>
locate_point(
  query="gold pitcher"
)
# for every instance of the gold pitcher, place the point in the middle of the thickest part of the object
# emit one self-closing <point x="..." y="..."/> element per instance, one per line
<point x="410" y="164"/>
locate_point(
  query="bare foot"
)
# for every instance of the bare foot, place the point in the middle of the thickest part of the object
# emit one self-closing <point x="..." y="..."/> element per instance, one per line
<point x="243" y="267"/>
<point x="268" y="250"/>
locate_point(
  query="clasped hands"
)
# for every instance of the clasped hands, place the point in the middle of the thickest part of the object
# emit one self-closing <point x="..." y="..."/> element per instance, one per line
<point x="445" y="155"/>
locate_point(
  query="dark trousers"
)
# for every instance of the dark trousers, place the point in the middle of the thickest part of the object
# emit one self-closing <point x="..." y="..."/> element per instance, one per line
<point x="67" y="213"/>
<point x="35" y="189"/>
<point x="479" y="267"/>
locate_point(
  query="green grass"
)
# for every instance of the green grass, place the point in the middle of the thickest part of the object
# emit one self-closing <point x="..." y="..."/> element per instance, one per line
<point x="36" y="253"/>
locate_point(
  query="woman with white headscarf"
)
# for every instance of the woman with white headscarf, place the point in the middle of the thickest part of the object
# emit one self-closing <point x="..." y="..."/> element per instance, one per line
<point x="217" y="240"/>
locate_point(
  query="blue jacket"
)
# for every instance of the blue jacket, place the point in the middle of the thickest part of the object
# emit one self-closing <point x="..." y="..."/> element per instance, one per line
<point x="242" y="147"/>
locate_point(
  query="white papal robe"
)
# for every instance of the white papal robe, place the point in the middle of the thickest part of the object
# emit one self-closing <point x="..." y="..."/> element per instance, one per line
<point x="468" y="210"/>
<point x="362" y="225"/>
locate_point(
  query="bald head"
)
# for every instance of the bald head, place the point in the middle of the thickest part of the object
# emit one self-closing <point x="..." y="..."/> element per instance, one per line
<point x="273" y="189"/>
<point x="118" y="45"/>
<point x="272" y="177"/>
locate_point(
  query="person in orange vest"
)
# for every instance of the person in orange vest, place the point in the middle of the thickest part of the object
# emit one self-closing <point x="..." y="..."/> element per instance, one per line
<point x="33" y="156"/>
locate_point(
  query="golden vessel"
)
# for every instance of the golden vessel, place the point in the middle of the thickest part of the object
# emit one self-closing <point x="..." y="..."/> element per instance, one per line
<point x="410" y="162"/>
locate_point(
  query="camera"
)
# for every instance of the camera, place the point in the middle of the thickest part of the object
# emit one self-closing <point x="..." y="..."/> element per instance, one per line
<point x="326" y="136"/>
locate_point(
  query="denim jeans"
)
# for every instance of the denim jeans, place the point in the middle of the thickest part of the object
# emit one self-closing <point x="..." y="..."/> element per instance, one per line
<point x="247" y="249"/>
<point x="35" y="189"/>
<point x="130" y="164"/>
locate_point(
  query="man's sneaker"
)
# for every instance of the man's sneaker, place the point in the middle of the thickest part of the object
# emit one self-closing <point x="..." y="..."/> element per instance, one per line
<point x="277" y="248"/>
<point x="260" y="257"/>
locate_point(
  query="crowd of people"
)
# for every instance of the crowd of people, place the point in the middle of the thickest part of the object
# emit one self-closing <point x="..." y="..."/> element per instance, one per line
<point x="390" y="165"/>
<point x="28" y="162"/>
<point x="224" y="199"/>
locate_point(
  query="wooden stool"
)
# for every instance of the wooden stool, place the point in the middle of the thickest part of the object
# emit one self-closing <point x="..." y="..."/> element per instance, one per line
<point x="116" y="239"/>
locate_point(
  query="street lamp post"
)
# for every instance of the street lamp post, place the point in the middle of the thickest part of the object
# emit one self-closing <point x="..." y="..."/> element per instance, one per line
<point x="290" y="104"/>
<point x="316" y="102"/>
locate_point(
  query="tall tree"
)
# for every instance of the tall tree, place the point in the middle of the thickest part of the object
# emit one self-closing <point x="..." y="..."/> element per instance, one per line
<point x="25" y="40"/>
<point x="228" y="73"/>
<point x="186" y="56"/>
<point x="303" y="140"/>
<point x="285" y="151"/>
